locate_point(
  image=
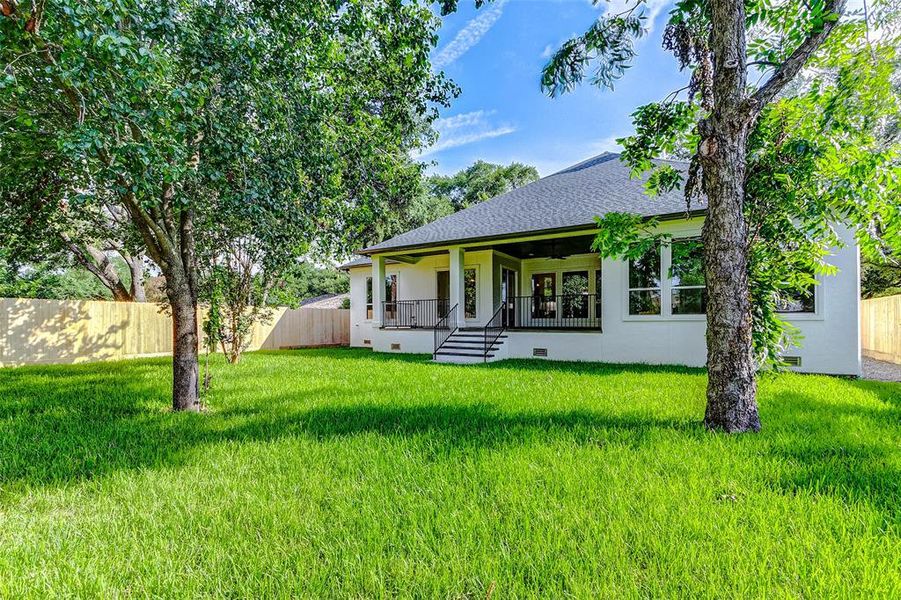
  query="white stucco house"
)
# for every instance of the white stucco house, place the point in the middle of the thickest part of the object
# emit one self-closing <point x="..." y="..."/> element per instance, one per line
<point x="515" y="277"/>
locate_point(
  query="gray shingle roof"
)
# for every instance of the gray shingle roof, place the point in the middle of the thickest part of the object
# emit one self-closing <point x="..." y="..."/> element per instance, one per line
<point x="570" y="198"/>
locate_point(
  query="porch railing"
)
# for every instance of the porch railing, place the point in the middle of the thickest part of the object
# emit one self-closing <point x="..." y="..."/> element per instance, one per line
<point x="444" y="328"/>
<point x="561" y="311"/>
<point x="494" y="328"/>
<point x="414" y="314"/>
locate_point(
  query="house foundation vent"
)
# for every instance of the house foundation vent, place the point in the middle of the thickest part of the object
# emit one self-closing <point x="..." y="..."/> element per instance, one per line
<point x="791" y="361"/>
<point x="539" y="352"/>
<point x="367" y="342"/>
<point x="395" y="346"/>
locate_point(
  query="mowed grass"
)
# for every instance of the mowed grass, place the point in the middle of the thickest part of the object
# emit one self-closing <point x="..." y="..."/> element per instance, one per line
<point x="341" y="473"/>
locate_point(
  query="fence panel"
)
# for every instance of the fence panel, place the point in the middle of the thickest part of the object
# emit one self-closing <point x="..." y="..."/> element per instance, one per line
<point x="880" y="328"/>
<point x="62" y="331"/>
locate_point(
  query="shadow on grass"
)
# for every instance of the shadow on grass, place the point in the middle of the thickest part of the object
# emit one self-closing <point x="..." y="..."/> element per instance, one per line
<point x="72" y="423"/>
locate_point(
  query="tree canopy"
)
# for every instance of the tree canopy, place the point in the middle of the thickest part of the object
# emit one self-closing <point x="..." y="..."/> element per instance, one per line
<point x="286" y="125"/>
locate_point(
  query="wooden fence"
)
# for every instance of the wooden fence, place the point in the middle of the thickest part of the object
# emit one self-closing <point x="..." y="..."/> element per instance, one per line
<point x="54" y="331"/>
<point x="880" y="328"/>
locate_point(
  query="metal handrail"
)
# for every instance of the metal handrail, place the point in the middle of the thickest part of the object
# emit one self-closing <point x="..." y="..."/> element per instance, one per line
<point x="413" y="314"/>
<point x="559" y="311"/>
<point x="494" y="326"/>
<point x="444" y="328"/>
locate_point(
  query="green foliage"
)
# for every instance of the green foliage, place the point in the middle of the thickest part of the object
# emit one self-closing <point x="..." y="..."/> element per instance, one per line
<point x="608" y="46"/>
<point x="437" y="196"/>
<point x="343" y="473"/>
<point x="822" y="157"/>
<point x="626" y="236"/>
<point x="52" y="279"/>
<point x="478" y="182"/>
<point x="304" y="280"/>
<point x="880" y="278"/>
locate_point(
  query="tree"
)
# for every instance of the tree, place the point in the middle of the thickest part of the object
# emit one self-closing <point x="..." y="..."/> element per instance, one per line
<point x="37" y="225"/>
<point x="478" y="182"/>
<point x="177" y="113"/>
<point x="722" y="113"/>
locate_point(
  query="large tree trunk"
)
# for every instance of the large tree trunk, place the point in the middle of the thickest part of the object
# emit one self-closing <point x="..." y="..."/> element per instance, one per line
<point x="185" y="382"/>
<point x="731" y="387"/>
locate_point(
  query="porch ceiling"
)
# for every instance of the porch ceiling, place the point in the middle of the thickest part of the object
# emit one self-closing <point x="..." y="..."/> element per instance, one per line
<point x="550" y="248"/>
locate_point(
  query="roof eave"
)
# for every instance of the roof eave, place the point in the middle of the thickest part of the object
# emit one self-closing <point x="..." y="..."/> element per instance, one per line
<point x="372" y="250"/>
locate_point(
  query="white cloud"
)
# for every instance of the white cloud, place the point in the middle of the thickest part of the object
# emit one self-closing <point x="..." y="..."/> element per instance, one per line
<point x="466" y="128"/>
<point x="547" y="52"/>
<point x="469" y="138"/>
<point x="470" y="35"/>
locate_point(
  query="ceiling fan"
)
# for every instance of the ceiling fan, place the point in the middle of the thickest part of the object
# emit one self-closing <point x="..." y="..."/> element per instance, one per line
<point x="554" y="253"/>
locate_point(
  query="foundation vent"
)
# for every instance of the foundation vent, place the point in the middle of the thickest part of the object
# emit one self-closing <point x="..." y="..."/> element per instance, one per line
<point x="539" y="352"/>
<point x="395" y="346"/>
<point x="367" y="342"/>
<point x="791" y="361"/>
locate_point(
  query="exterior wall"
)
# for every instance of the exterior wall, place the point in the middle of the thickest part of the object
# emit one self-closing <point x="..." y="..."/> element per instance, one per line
<point x="831" y="342"/>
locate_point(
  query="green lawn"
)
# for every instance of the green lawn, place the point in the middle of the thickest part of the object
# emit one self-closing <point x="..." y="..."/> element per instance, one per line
<point x="344" y="473"/>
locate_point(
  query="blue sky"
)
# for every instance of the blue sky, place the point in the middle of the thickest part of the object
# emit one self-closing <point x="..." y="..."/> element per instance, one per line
<point x="495" y="54"/>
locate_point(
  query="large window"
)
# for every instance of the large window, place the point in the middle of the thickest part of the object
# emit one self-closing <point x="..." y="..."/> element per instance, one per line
<point x="644" y="283"/>
<point x="391" y="296"/>
<point x="369" y="297"/>
<point x="470" y="293"/>
<point x="544" y="295"/>
<point x="689" y="295"/>
<point x="575" y="295"/>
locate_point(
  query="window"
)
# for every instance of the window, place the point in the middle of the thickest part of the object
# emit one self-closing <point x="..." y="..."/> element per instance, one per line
<point x="800" y="301"/>
<point x="544" y="296"/>
<point x="575" y="295"/>
<point x="391" y="296"/>
<point x="369" y="297"/>
<point x="644" y="283"/>
<point x="443" y="295"/>
<point x="469" y="293"/>
<point x="597" y="294"/>
<point x="688" y="293"/>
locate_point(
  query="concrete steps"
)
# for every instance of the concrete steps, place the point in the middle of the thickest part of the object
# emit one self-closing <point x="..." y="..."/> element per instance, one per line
<point x="468" y="347"/>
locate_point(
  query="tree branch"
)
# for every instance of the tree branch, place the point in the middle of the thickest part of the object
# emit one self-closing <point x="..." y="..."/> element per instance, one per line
<point x="796" y="61"/>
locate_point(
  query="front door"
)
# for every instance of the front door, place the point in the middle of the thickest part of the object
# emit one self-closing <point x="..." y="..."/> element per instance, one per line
<point x="508" y="297"/>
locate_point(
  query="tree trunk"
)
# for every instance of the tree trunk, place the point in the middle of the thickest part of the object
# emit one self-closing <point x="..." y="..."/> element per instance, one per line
<point x="185" y="354"/>
<point x="731" y="387"/>
<point x="136" y="266"/>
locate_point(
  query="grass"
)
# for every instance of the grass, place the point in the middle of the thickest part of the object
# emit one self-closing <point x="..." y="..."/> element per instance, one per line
<point x="336" y="473"/>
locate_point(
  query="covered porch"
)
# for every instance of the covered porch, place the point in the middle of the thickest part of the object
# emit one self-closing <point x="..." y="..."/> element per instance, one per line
<point x="549" y="284"/>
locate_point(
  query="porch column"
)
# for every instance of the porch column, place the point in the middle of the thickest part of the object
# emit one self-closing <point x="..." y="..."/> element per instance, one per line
<point x="457" y="294"/>
<point x="378" y="289"/>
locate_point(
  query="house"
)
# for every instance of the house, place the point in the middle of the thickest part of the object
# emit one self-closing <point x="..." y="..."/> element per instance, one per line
<point x="515" y="277"/>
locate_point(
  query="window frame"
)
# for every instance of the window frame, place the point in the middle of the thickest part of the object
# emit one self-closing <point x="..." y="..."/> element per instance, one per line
<point x="673" y="287"/>
<point x="816" y="314"/>
<point x="367" y="295"/>
<point x="477" y="286"/>
<point x="627" y="281"/>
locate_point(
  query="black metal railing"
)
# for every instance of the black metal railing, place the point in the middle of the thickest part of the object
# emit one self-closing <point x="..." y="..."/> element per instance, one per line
<point x="494" y="328"/>
<point x="562" y="311"/>
<point x="444" y="328"/>
<point x="413" y="314"/>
